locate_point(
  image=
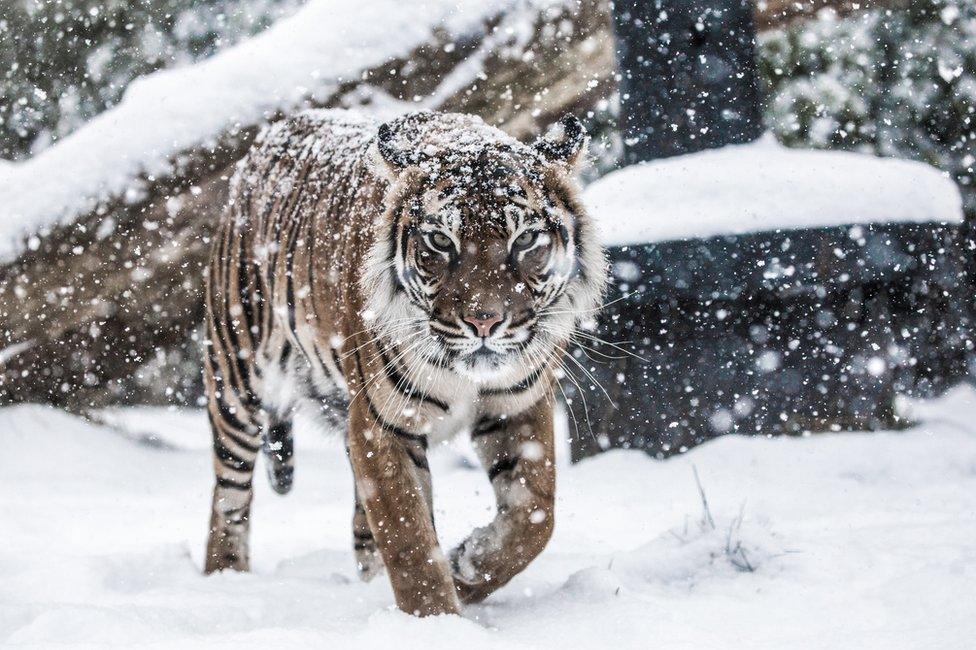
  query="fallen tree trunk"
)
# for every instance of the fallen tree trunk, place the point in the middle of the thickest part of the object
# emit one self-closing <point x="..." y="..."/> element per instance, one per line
<point x="90" y="303"/>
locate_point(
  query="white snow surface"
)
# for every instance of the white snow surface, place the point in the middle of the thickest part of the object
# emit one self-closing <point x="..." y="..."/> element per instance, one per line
<point x="854" y="541"/>
<point x="302" y="56"/>
<point x="763" y="186"/>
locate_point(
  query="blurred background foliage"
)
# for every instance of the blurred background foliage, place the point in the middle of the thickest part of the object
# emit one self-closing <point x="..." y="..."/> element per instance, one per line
<point x="893" y="82"/>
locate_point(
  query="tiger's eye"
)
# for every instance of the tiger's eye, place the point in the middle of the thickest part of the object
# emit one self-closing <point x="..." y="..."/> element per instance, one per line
<point x="526" y="239"/>
<point x="441" y="241"/>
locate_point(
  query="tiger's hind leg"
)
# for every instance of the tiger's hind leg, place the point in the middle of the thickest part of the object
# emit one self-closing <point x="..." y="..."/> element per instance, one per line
<point x="279" y="452"/>
<point x="369" y="562"/>
<point x="236" y="429"/>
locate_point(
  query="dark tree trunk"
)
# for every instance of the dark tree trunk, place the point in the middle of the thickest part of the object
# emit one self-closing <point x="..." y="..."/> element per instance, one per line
<point x="822" y="336"/>
<point x="688" y="75"/>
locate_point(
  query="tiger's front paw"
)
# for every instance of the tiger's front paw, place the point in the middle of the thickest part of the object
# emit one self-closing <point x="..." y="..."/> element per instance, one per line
<point x="471" y="584"/>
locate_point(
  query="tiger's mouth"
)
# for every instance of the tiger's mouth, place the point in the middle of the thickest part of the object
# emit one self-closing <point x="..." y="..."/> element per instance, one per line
<point x="489" y="359"/>
<point x="484" y="352"/>
<point x="502" y="354"/>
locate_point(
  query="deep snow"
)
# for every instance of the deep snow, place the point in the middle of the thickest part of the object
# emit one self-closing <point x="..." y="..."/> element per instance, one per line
<point x="855" y="540"/>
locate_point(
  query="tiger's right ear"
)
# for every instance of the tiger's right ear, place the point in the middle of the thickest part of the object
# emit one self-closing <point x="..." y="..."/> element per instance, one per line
<point x="390" y="159"/>
<point x="566" y="144"/>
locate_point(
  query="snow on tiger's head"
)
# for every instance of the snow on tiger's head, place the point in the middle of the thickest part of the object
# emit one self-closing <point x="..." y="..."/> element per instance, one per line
<point x="484" y="253"/>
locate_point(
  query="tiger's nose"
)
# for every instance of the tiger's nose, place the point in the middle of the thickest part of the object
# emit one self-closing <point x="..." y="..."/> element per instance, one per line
<point x="483" y="321"/>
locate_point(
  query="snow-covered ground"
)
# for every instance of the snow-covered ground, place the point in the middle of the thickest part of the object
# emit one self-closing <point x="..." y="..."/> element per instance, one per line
<point x="835" y="540"/>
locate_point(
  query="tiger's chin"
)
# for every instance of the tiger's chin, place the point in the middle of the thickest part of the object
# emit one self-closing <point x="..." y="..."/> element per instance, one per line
<point x="484" y="365"/>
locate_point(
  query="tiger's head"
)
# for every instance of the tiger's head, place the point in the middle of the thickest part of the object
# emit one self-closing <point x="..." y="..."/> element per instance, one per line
<point x="484" y="260"/>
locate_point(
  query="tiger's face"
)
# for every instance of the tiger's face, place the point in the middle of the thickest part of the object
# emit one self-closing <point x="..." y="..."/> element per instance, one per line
<point x="485" y="268"/>
<point x="490" y="260"/>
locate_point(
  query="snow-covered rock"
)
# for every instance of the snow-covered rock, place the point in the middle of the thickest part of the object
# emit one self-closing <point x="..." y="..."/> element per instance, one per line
<point x="763" y="186"/>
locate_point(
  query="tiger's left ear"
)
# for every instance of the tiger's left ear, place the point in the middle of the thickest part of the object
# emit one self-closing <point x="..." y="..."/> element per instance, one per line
<point x="564" y="143"/>
<point x="389" y="159"/>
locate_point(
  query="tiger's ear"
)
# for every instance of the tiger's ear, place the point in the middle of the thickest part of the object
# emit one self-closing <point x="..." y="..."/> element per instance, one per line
<point x="393" y="156"/>
<point x="390" y="159"/>
<point x="564" y="143"/>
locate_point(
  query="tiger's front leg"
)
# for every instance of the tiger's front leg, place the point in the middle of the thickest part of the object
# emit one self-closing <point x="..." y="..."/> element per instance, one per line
<point x="369" y="562"/>
<point x="518" y="454"/>
<point x="393" y="494"/>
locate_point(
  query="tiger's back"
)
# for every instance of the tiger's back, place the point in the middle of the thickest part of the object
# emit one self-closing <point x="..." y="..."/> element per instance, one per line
<point x="288" y="250"/>
<point x="259" y="288"/>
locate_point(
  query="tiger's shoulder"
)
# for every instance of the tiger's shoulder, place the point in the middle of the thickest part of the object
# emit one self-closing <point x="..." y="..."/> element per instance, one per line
<point x="315" y="146"/>
<point x="318" y="132"/>
<point x="323" y="142"/>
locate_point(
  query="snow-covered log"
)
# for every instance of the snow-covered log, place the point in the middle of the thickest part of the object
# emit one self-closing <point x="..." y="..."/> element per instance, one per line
<point x="103" y="236"/>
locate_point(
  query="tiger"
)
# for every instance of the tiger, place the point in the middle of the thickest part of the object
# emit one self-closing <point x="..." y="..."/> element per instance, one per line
<point x="403" y="281"/>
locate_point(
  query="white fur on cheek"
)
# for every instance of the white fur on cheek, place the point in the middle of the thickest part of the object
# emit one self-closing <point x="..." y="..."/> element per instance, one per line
<point x="391" y="309"/>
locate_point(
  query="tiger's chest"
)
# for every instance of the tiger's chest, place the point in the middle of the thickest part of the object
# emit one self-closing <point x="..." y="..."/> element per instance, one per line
<point x="437" y="405"/>
<point x="434" y="403"/>
<point x="442" y="427"/>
